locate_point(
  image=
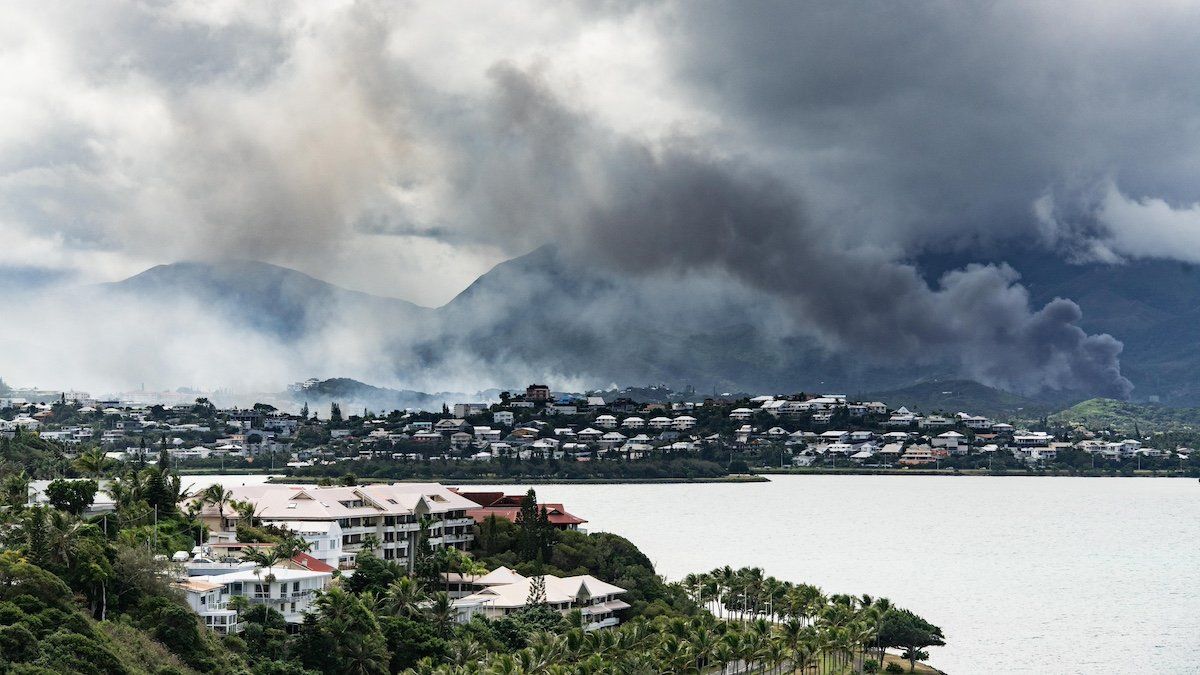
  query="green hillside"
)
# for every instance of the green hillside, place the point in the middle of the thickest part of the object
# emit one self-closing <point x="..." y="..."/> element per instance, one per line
<point x="1101" y="413"/>
<point x="952" y="396"/>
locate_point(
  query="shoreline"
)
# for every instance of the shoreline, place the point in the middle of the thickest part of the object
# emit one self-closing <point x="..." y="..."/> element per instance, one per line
<point x="760" y="475"/>
<point x="516" y="480"/>
<point x="863" y="471"/>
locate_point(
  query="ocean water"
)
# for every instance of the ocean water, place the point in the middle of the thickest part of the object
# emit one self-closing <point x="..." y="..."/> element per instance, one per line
<point x="1024" y="575"/>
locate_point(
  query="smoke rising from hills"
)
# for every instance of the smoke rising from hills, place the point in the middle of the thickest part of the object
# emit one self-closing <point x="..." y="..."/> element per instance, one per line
<point x="800" y="155"/>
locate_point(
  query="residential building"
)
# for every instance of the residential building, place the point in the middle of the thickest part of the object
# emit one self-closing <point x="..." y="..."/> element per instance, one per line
<point x="209" y="600"/>
<point x="596" y="600"/>
<point x="469" y="409"/>
<point x="391" y="514"/>
<point x="508" y="506"/>
<point x="290" y="592"/>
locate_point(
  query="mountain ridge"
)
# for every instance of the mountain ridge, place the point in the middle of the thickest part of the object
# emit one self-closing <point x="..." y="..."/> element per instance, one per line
<point x="541" y="315"/>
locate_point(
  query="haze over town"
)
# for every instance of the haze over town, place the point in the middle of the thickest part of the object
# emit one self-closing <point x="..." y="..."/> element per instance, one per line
<point x="853" y="199"/>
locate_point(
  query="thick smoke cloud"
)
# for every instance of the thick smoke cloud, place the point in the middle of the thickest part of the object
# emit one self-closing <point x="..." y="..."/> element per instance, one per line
<point x="935" y="124"/>
<point x="672" y="207"/>
<point x="803" y="151"/>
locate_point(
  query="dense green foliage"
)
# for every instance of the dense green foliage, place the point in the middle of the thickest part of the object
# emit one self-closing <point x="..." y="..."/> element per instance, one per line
<point x="95" y="596"/>
<point x="1126" y="417"/>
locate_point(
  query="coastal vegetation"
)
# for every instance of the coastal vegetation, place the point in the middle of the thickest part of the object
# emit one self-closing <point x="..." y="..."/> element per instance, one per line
<point x="94" y="595"/>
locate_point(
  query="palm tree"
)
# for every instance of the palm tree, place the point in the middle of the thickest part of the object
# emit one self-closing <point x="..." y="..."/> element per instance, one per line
<point x="264" y="558"/>
<point x="404" y="597"/>
<point x="218" y="496"/>
<point x="441" y="612"/>
<point x="14" y="491"/>
<point x="359" y="657"/>
<point x="247" y="511"/>
<point x="93" y="462"/>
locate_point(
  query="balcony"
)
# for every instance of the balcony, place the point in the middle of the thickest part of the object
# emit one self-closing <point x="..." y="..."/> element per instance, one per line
<point x="605" y="623"/>
<point x="459" y="522"/>
<point x="292" y="596"/>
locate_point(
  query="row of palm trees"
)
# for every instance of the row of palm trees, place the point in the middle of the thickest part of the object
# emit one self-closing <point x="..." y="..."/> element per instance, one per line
<point x="701" y="644"/>
<point x="753" y="624"/>
<point x="745" y="594"/>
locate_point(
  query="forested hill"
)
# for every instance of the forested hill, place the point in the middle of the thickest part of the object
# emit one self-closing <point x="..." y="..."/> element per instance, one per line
<point x="1128" y="418"/>
<point x="952" y="396"/>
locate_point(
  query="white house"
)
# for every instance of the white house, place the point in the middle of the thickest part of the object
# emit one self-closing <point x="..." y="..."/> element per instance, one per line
<point x="589" y="435"/>
<point x="606" y="422"/>
<point x="504" y="417"/>
<point x="596" y="600"/>
<point x="741" y="414"/>
<point x="684" y="423"/>
<point x="289" y="591"/>
<point x="612" y="438"/>
<point x="661" y="422"/>
<point x="209" y="600"/>
<point x="633" y="423"/>
<point x="952" y="441"/>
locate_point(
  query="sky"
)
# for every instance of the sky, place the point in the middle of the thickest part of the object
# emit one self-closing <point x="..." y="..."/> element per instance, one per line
<point x="404" y="148"/>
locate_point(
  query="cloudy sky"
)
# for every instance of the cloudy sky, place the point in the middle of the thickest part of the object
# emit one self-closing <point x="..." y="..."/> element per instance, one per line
<point x="405" y="148"/>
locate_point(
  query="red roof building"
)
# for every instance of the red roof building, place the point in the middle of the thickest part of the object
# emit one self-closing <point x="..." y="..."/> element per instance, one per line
<point x="508" y="506"/>
<point x="306" y="561"/>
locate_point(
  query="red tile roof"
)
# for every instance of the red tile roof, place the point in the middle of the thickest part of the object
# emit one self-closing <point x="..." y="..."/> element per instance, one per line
<point x="312" y="564"/>
<point x="555" y="513"/>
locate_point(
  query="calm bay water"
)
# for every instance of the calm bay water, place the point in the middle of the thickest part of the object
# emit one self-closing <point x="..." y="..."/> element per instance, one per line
<point x="1024" y="575"/>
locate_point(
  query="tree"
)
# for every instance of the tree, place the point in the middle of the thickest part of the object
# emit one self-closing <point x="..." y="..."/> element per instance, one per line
<point x="904" y="629"/>
<point x="218" y="496"/>
<point x="93" y="462"/>
<point x="410" y="640"/>
<point x="335" y="413"/>
<point x="304" y="412"/>
<point x="14" y="490"/>
<point x="72" y="496"/>
<point x="537" y="591"/>
<point x="349" y="633"/>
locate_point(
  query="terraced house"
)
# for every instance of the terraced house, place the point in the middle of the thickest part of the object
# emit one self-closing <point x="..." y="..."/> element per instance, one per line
<point x="338" y="521"/>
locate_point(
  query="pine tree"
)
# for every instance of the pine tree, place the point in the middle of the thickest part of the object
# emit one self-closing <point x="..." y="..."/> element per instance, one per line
<point x="335" y="413"/>
<point x="304" y="412"/>
<point x="38" y="542"/>
<point x="527" y="520"/>
<point x="537" y="591"/>
<point x="545" y="533"/>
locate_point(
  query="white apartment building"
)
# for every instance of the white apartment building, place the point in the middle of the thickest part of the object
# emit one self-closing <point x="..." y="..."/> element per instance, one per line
<point x="391" y="514"/>
<point x="325" y="537"/>
<point x="289" y="591"/>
